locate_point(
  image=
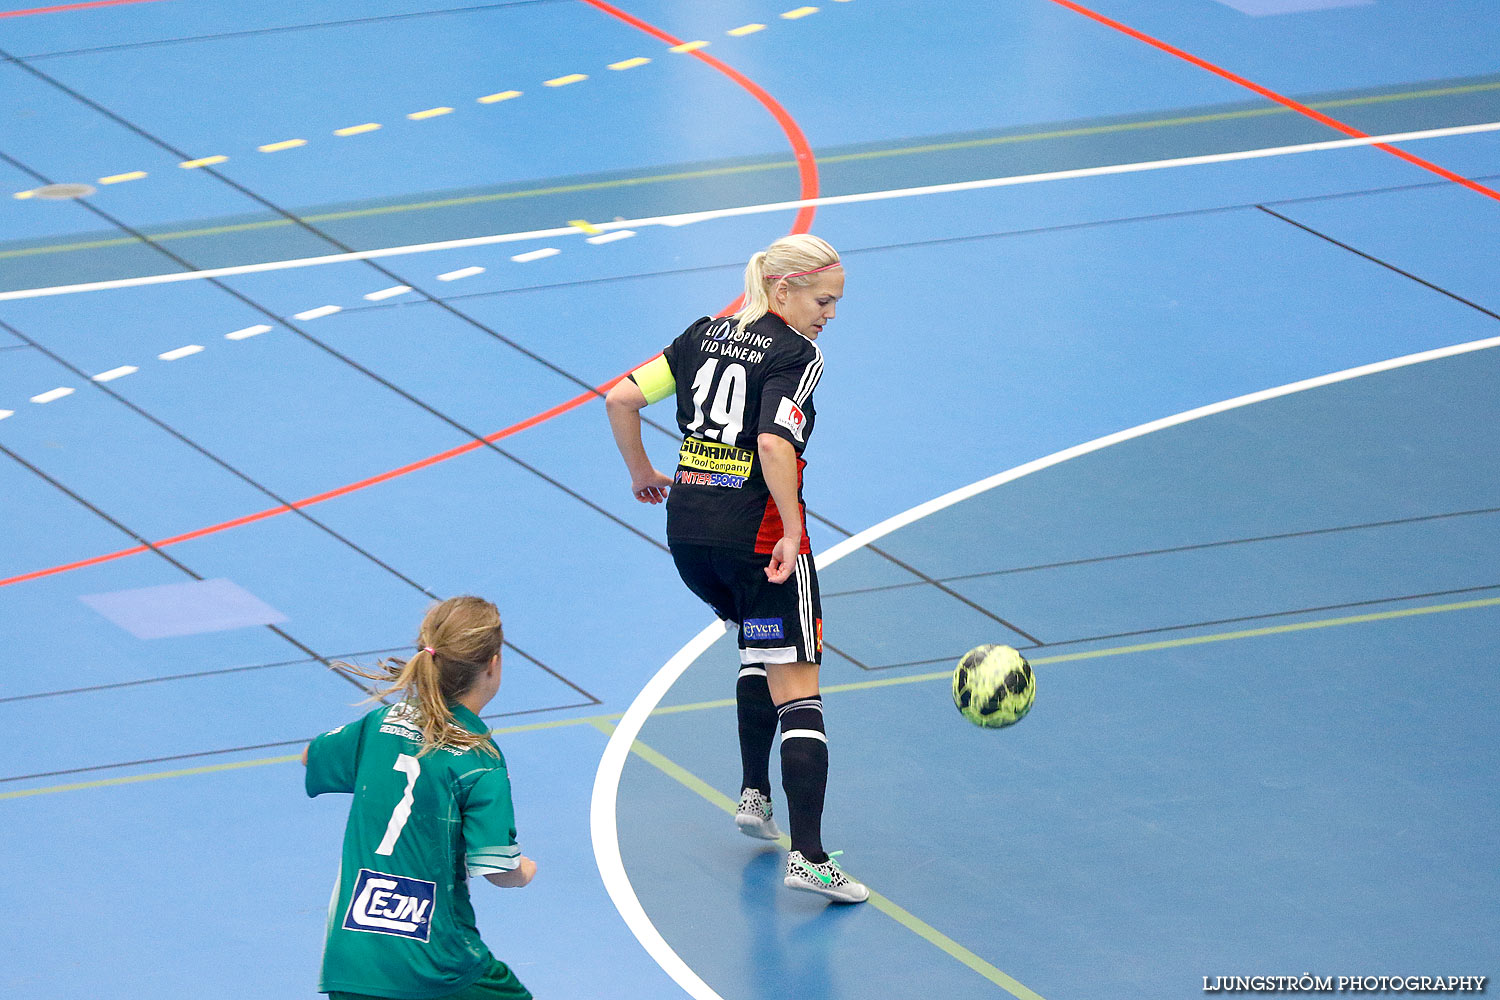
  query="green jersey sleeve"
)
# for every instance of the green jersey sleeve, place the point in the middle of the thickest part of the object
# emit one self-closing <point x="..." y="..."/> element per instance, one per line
<point x="333" y="760"/>
<point x="490" y="825"/>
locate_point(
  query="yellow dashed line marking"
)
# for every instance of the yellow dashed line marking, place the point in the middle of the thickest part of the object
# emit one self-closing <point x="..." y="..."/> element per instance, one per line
<point x="495" y="98"/>
<point x="585" y="225"/>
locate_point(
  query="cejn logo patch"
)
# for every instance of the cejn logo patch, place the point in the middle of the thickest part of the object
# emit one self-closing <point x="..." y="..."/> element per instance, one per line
<point x="763" y="628"/>
<point x="391" y="904"/>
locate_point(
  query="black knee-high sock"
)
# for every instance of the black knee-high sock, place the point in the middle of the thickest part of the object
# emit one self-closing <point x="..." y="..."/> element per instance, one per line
<point x="804" y="773"/>
<point x="757" y="717"/>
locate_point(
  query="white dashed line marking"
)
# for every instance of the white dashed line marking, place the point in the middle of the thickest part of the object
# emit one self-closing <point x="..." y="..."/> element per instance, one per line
<point x="186" y="351"/>
<point x="388" y="293"/>
<point x="319" y="312"/>
<point x="51" y="394"/>
<point x="247" y="332"/>
<point x="115" y="373"/>
<point x="7" y="413"/>
<point x="531" y="255"/>
<point x="463" y="272"/>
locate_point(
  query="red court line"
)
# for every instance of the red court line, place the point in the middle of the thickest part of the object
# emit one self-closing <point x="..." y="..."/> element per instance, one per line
<point x="808" y="173"/>
<point x="1281" y="99"/>
<point x="60" y="8"/>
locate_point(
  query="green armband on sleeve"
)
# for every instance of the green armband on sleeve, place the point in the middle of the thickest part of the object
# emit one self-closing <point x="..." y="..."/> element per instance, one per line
<point x="654" y="379"/>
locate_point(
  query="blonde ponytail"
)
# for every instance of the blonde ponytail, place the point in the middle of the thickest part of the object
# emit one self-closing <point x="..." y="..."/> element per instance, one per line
<point x="457" y="641"/>
<point x="790" y="258"/>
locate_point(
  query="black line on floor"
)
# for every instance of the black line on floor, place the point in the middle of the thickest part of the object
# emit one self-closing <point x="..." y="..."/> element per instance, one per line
<point x="1221" y="621"/>
<point x="835" y="649"/>
<point x="186" y="265"/>
<point x="1312" y="532"/>
<point x="1383" y="263"/>
<point x="117" y="525"/>
<point x="254" y="32"/>
<point x="527" y="656"/>
<point x="195" y="675"/>
<point x="242" y="749"/>
<point x="223" y="464"/>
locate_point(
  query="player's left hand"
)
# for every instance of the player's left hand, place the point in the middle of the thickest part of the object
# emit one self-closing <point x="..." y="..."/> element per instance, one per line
<point x="651" y="488"/>
<point x="783" y="559"/>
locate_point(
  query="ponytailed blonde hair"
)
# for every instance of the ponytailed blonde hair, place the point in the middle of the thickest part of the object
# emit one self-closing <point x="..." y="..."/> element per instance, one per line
<point x="788" y="255"/>
<point x="457" y="640"/>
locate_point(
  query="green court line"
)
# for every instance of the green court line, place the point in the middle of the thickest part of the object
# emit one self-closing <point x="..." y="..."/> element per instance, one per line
<point x="902" y="916"/>
<point x="602" y="720"/>
<point x="1073" y="133"/>
<point x="154" y="776"/>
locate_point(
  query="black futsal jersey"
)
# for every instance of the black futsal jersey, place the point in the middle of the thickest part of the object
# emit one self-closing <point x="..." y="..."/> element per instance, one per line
<point x="733" y="386"/>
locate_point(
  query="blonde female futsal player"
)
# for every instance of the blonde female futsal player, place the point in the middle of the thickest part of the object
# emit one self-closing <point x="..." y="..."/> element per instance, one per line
<point x="431" y="809"/>
<point x="744" y="389"/>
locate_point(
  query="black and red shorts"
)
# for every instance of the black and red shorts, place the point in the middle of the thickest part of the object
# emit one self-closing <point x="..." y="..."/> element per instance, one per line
<point x="778" y="622"/>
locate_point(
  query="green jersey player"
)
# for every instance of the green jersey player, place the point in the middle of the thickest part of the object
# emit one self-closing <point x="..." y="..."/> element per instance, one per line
<point x="431" y="809"/>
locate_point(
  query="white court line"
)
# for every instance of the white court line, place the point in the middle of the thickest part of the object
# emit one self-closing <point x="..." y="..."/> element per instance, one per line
<point x="387" y="293"/>
<point x="688" y="218"/>
<point x="247" y="332"/>
<point x="318" y="313"/>
<point x="463" y="272"/>
<point x="52" y="394"/>
<point x="177" y="354"/>
<point x="115" y="373"/>
<point x="603" y="826"/>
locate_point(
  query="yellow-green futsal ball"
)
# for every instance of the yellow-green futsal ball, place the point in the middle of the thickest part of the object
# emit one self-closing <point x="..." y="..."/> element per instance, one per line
<point x="993" y="686"/>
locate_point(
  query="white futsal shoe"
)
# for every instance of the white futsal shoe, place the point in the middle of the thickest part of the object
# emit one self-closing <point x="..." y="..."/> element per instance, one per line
<point x="753" y="816"/>
<point x="826" y="879"/>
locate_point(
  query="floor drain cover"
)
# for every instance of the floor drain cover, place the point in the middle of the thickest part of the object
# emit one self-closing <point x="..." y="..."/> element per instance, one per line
<point x="63" y="191"/>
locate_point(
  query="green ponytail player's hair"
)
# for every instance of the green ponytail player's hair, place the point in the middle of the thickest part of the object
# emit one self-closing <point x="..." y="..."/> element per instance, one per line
<point x="457" y="641"/>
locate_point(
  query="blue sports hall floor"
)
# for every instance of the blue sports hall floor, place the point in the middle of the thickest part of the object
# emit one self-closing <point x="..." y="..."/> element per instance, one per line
<point x="1168" y="356"/>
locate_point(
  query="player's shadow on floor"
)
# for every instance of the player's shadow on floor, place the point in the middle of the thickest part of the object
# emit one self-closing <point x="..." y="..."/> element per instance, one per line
<point x="789" y="955"/>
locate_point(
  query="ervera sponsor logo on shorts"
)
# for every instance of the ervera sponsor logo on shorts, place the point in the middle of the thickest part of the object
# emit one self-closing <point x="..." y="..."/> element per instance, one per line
<point x="764" y="628"/>
<point x="391" y="904"/>
<point x="1309" y="983"/>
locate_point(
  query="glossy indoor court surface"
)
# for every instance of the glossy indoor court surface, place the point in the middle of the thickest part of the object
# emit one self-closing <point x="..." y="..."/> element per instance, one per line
<point x="1167" y="356"/>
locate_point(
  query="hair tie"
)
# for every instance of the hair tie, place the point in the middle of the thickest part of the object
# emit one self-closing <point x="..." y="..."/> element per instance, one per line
<point x="429" y="650"/>
<point x="799" y="274"/>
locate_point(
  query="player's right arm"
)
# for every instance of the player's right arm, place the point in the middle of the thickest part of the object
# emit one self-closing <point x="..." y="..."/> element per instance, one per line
<point x="332" y="760"/>
<point x="517" y="878"/>
<point x="778" y="466"/>
<point x="642" y="387"/>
